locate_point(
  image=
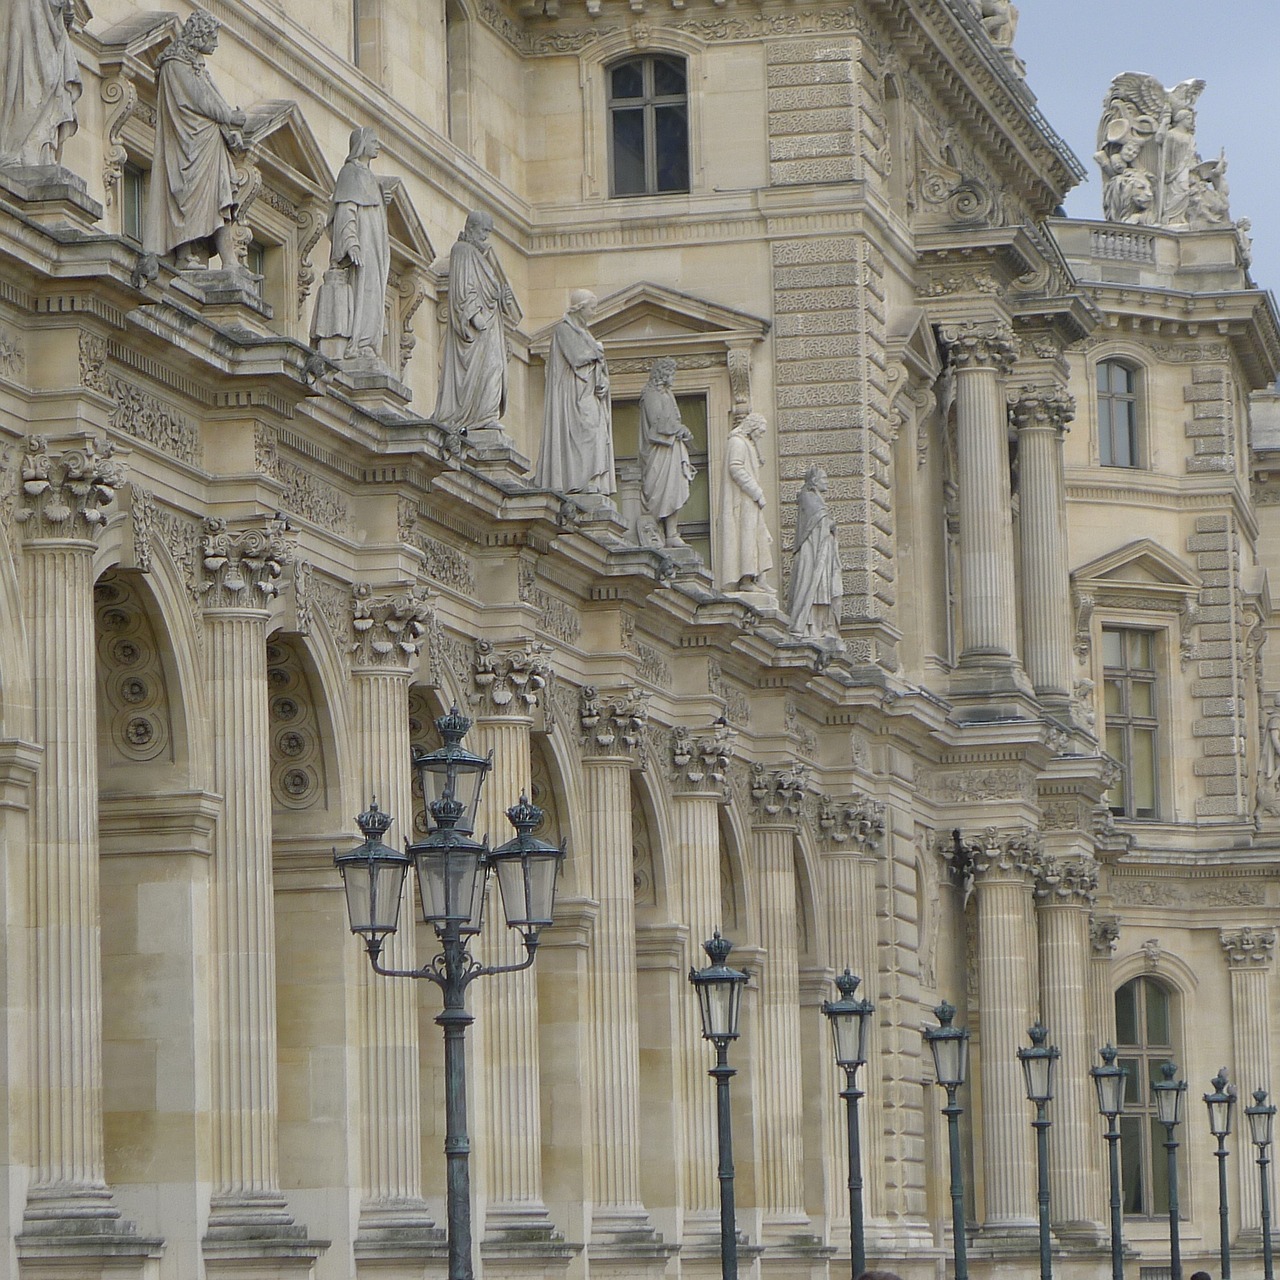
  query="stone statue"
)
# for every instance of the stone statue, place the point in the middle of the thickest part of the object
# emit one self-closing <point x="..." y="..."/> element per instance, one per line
<point x="350" y="316"/>
<point x="746" y="546"/>
<point x="192" y="194"/>
<point x="999" y="20"/>
<point x="473" y="366"/>
<point x="817" y="585"/>
<point x="665" y="469"/>
<point x="40" y="80"/>
<point x="1127" y="193"/>
<point x="1268" y="803"/>
<point x="577" y="422"/>
<point x="1210" y="195"/>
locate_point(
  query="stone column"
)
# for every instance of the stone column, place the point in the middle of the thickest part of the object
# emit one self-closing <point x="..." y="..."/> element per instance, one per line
<point x="1104" y="934"/>
<point x="1249" y="953"/>
<point x="1040" y="415"/>
<point x="777" y="799"/>
<point x="613" y="723"/>
<point x="980" y="355"/>
<point x="1065" y="891"/>
<point x="1004" y="866"/>
<point x="700" y="774"/>
<point x="387" y="631"/>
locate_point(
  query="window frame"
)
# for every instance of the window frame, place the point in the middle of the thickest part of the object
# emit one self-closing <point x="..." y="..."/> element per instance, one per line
<point x="1135" y="399"/>
<point x="1126" y="721"/>
<point x="649" y="102"/>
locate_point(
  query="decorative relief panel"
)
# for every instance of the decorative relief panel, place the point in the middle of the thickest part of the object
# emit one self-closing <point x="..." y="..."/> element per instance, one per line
<point x="653" y="667"/>
<point x="304" y="493"/>
<point x="1104" y="935"/>
<point x="737" y="706"/>
<point x="1168" y="893"/>
<point x="555" y="616"/>
<point x="297" y="758"/>
<point x="978" y="785"/>
<point x="13" y="358"/>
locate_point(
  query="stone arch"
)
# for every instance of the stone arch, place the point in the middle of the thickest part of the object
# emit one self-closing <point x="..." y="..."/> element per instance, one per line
<point x="650" y="841"/>
<point x="737" y="888"/>
<point x="16" y="704"/>
<point x="811" y="933"/>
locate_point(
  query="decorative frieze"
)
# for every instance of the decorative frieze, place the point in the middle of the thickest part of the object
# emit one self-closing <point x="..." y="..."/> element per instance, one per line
<point x="13" y="358"/>
<point x="777" y="795"/>
<point x="388" y="630"/>
<point x="737" y="706"/>
<point x="555" y="616"/>
<point x="64" y="495"/>
<point x="1170" y="893"/>
<point x="613" y="721"/>
<point x="700" y="762"/>
<point x="974" y="786"/>
<point x="241" y="568"/>
<point x="653" y="667"/>
<point x="1248" y="947"/>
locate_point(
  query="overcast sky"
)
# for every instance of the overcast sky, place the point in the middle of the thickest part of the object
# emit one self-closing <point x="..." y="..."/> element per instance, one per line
<point x="1073" y="48"/>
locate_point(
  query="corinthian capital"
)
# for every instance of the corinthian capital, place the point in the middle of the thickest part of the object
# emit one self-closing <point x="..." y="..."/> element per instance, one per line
<point x="777" y="795"/>
<point x="388" y="630"/>
<point x="613" y="721"/>
<point x="1045" y="407"/>
<point x="508" y="679"/>
<point x="1067" y="880"/>
<point x="700" y="762"/>
<point x="1248" y="948"/>
<point x="64" y="494"/>
<point x="988" y="345"/>
<point x="854" y="821"/>
<point x="242" y="568"/>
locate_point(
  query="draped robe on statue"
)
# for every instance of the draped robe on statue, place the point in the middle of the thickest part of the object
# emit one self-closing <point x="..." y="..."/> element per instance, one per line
<point x="817" y="583"/>
<point x="746" y="545"/>
<point x="577" y="424"/>
<point x="664" y="459"/>
<point x="41" y="82"/>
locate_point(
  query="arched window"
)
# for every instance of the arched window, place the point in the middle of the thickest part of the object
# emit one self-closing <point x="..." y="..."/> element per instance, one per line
<point x="648" y="126"/>
<point x="1117" y="414"/>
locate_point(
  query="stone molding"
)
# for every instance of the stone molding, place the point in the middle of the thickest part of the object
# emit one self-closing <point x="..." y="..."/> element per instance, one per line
<point x="1248" y="947"/>
<point x="854" y="821"/>
<point x="241" y="568"/>
<point x="64" y="494"/>
<point x="508" y="679"/>
<point x="1104" y="936"/>
<point x="388" y="631"/>
<point x="700" y="763"/>
<point x="613" y="722"/>
<point x="777" y="795"/>
<point x="980" y="346"/>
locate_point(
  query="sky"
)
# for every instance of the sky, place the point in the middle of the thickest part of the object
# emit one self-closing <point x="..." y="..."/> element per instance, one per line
<point x="1073" y="48"/>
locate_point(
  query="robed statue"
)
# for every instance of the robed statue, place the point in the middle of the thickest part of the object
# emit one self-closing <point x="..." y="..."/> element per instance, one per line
<point x="39" y="81"/>
<point x="817" y="583"/>
<point x="665" y="469"/>
<point x="746" y="545"/>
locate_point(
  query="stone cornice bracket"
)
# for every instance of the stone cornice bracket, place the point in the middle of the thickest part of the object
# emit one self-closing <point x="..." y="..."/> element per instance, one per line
<point x="120" y="95"/>
<point x="388" y="630"/>
<point x="64" y="495"/>
<point x="242" y="568"/>
<point x="854" y="821"/>
<point x="1040" y="407"/>
<point x="700" y="763"/>
<point x="987" y="345"/>
<point x="1248" y="948"/>
<point x="509" y="679"/>
<point x="1066" y="880"/>
<point x="1104" y="936"/>
<point x="777" y="795"/>
<point x="613" y="722"/>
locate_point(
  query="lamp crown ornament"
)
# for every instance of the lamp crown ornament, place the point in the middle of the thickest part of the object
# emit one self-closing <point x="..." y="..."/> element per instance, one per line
<point x="1039" y="1034"/>
<point x="453" y="727"/>
<point x="847" y="984"/>
<point x="525" y="816"/>
<point x="373" y="823"/>
<point x="717" y="948"/>
<point x="945" y="1013"/>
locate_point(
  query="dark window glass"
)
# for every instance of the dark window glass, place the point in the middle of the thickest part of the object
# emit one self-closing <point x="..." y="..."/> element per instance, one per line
<point x="668" y="77"/>
<point x="628" y="80"/>
<point x="672" y="126"/>
<point x="649" y="130"/>
<point x="132" y="202"/>
<point x="628" y="153"/>
<point x="1129" y="705"/>
<point x="1117" y="415"/>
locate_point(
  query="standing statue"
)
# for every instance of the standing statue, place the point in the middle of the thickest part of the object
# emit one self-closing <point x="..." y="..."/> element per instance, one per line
<point x="350" y="316"/>
<point x="665" y="469"/>
<point x="817" y="584"/>
<point x="999" y="20"/>
<point x="1178" y="138"/>
<point x="1268" y="802"/>
<point x="41" y="81"/>
<point x="577" y="422"/>
<point x="746" y="546"/>
<point x="473" y="365"/>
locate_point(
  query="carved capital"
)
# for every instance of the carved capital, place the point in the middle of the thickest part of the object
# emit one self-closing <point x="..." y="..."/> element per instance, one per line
<point x="994" y="854"/>
<point x="700" y="762"/>
<point x="854" y="822"/>
<point x="1063" y="881"/>
<point x="777" y="795"/>
<point x="64" y="495"/>
<point x="242" y="568"/>
<point x="613" y="722"/>
<point x="978" y="346"/>
<point x="1044" y="408"/>
<point x="1248" y="948"/>
<point x="388" y="630"/>
<point x="1104" y="935"/>
<point x="508" y="679"/>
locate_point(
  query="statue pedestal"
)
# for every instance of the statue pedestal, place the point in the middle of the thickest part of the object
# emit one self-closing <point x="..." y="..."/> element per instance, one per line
<point x="760" y="599"/>
<point x="370" y="383"/>
<point x="51" y="196"/>
<point x="228" y="298"/>
<point x="492" y="452"/>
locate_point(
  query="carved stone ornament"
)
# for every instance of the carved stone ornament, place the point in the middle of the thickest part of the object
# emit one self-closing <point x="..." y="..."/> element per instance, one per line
<point x="1248" y="947"/>
<point x="701" y="762"/>
<point x="1064" y="880"/>
<point x="613" y="721"/>
<point x="1003" y="853"/>
<point x="1104" y="935"/>
<point x="64" y="495"/>
<point x="142" y="516"/>
<point x="777" y="795"/>
<point x="980" y="345"/>
<point x="854" y="820"/>
<point x="1045" y="407"/>
<point x="242" y="568"/>
<point x="389" y="630"/>
<point x="509" y="680"/>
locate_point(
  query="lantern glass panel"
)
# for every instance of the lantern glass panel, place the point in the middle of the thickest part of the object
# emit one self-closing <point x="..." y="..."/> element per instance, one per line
<point x="527" y="881"/>
<point x="849" y="1032"/>
<point x="451" y="883"/>
<point x="373" y="884"/>
<point x="1169" y="1100"/>
<point x="1110" y="1086"/>
<point x="1261" y="1120"/>
<point x="720" y="1000"/>
<point x="950" y="1058"/>
<point x="1220" y="1115"/>
<point x="1039" y="1070"/>
<point x="453" y="773"/>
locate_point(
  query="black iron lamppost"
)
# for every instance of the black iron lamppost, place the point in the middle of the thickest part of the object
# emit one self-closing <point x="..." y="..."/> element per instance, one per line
<point x="850" y="1021"/>
<point x="1109" y="1081"/>
<point x="950" y="1048"/>
<point x="719" y="991"/>
<point x="1039" y="1067"/>
<point x="1261" y="1119"/>
<point x="453" y="872"/>
<point x="1171" y="1096"/>
<point x="1222" y="1104"/>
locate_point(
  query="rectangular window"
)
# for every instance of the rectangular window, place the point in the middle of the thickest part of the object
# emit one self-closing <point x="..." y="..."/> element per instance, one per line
<point x="133" y="185"/>
<point x="1132" y="728"/>
<point x="1117" y="415"/>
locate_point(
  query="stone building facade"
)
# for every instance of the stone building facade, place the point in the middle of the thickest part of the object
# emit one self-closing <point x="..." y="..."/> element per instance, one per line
<point x="1039" y="776"/>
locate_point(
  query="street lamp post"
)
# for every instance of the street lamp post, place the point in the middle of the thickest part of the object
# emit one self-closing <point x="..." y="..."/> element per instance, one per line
<point x="1222" y="1104"/>
<point x="1171" y="1097"/>
<point x="1039" y="1067"/>
<point x="950" y="1048"/>
<point x="719" y="991"/>
<point x="850" y="1022"/>
<point x="453" y="870"/>
<point x="1261" y="1117"/>
<point x="1109" y="1081"/>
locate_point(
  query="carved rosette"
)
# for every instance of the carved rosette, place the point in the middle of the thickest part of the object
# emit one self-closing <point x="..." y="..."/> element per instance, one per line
<point x="241" y="568"/>
<point x="700" y="763"/>
<point x="1040" y="407"/>
<point x="388" y="630"/>
<point x="1104" y="935"/>
<point x="980" y="346"/>
<point x="509" y="679"/>
<point x="613" y="721"/>
<point x="64" y="495"/>
<point x="1248" y="948"/>
<point x="777" y="795"/>
<point x="853" y="821"/>
<point x="1067" y="881"/>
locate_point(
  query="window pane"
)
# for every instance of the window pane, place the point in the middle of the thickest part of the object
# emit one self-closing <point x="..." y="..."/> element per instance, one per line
<point x="1113" y="698"/>
<point x="1106" y="448"/>
<point x="1133" y="1094"/>
<point x="628" y="152"/>
<point x="1158" y="1016"/>
<point x="1112" y="649"/>
<point x="1142" y="773"/>
<point x="1127" y="1014"/>
<point x="1141" y="698"/>
<point x="1141" y="650"/>
<point x="1104" y="376"/>
<point x="693" y="413"/>
<point x="627" y="80"/>
<point x="1121" y="378"/>
<point x="1159" y="1170"/>
<point x="1121" y="437"/>
<point x="1131" y="1163"/>
<point x="668" y="76"/>
<point x="1126" y="427"/>
<point x="671" y="125"/>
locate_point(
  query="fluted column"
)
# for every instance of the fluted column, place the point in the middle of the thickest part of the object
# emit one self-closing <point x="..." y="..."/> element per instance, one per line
<point x="1040" y="415"/>
<point x="700" y="766"/>
<point x="62" y="497"/>
<point x="1066" y="890"/>
<point x="980" y="354"/>
<point x="613" y="724"/>
<point x="508" y="681"/>
<point x="1249" y="953"/>
<point x="777" y="798"/>
<point x="387" y="631"/>
<point x="1104" y="934"/>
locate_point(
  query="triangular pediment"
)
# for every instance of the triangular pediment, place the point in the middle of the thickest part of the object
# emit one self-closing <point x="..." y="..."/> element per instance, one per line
<point x="138" y="40"/>
<point x="1141" y="564"/>
<point x="284" y="147"/>
<point x="406" y="228"/>
<point x="911" y="341"/>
